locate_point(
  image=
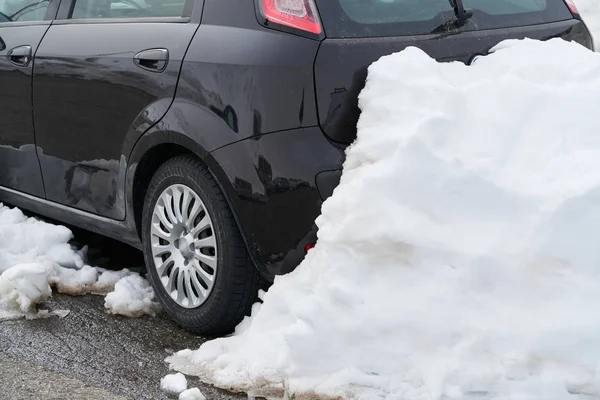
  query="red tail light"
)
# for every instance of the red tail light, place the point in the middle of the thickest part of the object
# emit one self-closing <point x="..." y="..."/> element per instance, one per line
<point x="298" y="14"/>
<point x="572" y="6"/>
<point x="308" y="247"/>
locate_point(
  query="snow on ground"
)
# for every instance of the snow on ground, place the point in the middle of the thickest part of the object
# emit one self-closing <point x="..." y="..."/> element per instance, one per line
<point x="192" y="394"/>
<point x="133" y="297"/>
<point x="174" y="383"/>
<point x="459" y="256"/>
<point x="590" y="11"/>
<point x="35" y="256"/>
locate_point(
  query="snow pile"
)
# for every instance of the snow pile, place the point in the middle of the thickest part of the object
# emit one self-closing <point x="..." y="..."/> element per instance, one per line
<point x="133" y="297"/>
<point x="590" y="10"/>
<point x="459" y="256"/>
<point x="173" y="383"/>
<point x="21" y="288"/>
<point x="35" y="256"/>
<point x="192" y="394"/>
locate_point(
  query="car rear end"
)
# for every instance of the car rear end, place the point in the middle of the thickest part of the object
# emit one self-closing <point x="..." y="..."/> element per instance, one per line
<point x="355" y="33"/>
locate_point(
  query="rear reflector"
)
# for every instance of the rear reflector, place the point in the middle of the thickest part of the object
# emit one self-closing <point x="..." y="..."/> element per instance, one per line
<point x="572" y="6"/>
<point x="308" y="247"/>
<point x="298" y="14"/>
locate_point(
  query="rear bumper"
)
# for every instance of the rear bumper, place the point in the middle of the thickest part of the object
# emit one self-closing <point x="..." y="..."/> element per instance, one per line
<point x="276" y="184"/>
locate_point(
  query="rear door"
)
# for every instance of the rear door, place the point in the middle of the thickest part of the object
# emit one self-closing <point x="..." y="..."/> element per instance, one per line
<point x="359" y="32"/>
<point x="104" y="69"/>
<point x="23" y="23"/>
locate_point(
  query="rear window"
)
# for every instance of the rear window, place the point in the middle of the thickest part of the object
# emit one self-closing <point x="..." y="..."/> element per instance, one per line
<point x="369" y="18"/>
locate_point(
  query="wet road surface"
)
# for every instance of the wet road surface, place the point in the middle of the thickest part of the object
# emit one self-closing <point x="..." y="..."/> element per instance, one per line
<point x="89" y="354"/>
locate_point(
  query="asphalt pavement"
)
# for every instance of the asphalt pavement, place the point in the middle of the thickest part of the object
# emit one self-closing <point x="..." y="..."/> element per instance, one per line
<point x="90" y="354"/>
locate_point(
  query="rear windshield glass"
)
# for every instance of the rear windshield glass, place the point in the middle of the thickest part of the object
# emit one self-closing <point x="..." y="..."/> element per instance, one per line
<point x="368" y="18"/>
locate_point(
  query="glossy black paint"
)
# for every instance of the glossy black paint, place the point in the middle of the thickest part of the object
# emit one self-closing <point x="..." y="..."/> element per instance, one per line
<point x="241" y="80"/>
<point x="88" y="100"/>
<point x="250" y="101"/>
<point x="19" y="167"/>
<point x="270" y="181"/>
<point x="341" y="66"/>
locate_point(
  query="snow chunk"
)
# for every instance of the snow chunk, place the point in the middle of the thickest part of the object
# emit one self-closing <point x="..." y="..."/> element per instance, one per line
<point x="35" y="256"/>
<point x="27" y="240"/>
<point x="173" y="383"/>
<point x="458" y="258"/>
<point x="108" y="279"/>
<point x="75" y="282"/>
<point x="133" y="297"/>
<point x="21" y="288"/>
<point x="192" y="394"/>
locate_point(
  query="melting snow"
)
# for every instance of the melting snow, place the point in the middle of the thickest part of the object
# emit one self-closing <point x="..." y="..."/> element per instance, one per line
<point x="35" y="256"/>
<point x="192" y="394"/>
<point x="173" y="383"/>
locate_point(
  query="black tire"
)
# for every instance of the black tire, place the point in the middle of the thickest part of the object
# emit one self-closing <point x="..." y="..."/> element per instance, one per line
<point x="237" y="279"/>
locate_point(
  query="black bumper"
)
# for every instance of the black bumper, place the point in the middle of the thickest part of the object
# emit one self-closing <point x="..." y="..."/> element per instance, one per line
<point x="276" y="184"/>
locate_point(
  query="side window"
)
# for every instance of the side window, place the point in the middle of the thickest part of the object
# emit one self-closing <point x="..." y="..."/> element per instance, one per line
<point x="22" y="10"/>
<point x="91" y="9"/>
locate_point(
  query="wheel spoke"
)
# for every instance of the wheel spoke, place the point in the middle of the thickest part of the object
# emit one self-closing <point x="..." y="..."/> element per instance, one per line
<point x="160" y="213"/>
<point x="180" y="291"/>
<point x="170" y="286"/>
<point x="177" y="203"/>
<point x="206" y="242"/>
<point x="188" y="287"/>
<point x="196" y="208"/>
<point x="161" y="249"/>
<point x="169" y="207"/>
<point x="199" y="288"/>
<point x="163" y="267"/>
<point x="208" y="278"/>
<point x="156" y="231"/>
<point x="187" y="199"/>
<point x="211" y="261"/>
<point x="202" y="225"/>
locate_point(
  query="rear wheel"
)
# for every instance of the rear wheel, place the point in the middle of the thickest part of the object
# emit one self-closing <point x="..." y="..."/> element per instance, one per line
<point x="196" y="259"/>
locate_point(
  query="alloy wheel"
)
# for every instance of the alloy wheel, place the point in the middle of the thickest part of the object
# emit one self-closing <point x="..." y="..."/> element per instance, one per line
<point x="184" y="246"/>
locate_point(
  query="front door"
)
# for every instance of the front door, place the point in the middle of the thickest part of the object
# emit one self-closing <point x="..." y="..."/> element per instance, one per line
<point x="22" y="26"/>
<point x="103" y="64"/>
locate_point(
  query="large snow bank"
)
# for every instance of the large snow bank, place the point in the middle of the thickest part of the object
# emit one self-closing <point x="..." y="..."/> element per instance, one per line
<point x="35" y="256"/>
<point x="459" y="256"/>
<point x="590" y="10"/>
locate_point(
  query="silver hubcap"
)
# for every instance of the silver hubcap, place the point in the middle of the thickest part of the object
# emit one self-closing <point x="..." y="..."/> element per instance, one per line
<point x="184" y="247"/>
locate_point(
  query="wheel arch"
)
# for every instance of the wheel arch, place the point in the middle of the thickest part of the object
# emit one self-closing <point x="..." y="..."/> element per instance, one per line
<point x="155" y="148"/>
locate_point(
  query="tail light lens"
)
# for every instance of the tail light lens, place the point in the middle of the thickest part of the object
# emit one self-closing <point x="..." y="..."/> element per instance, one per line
<point x="297" y="14"/>
<point x="572" y="7"/>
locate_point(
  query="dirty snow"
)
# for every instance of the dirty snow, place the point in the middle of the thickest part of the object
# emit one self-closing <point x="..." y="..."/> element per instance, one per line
<point x="590" y="11"/>
<point x="133" y="297"/>
<point x="173" y="383"/>
<point x="192" y="394"/>
<point x="36" y="256"/>
<point x="458" y="258"/>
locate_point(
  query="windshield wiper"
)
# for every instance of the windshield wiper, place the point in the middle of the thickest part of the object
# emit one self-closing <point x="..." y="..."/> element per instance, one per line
<point x="462" y="15"/>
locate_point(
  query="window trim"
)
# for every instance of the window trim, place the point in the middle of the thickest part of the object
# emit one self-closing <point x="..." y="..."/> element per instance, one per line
<point x="25" y="23"/>
<point x="143" y="20"/>
<point x="65" y="9"/>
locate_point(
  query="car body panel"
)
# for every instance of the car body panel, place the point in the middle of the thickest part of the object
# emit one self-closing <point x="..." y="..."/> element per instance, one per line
<point x="19" y="167"/>
<point x="90" y="100"/>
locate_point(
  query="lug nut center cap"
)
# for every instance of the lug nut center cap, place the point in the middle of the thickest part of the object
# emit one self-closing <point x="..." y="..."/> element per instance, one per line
<point x="186" y="247"/>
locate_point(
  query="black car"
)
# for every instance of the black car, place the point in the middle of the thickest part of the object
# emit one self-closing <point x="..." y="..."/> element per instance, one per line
<point x="208" y="132"/>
